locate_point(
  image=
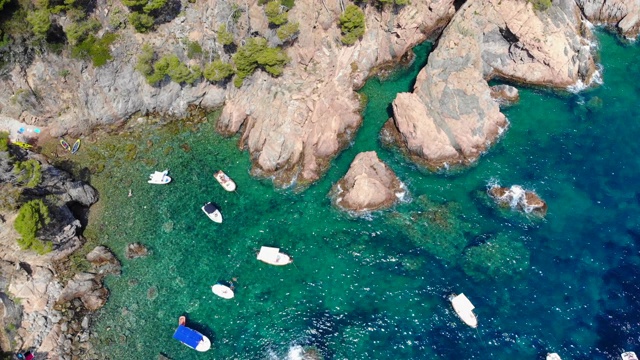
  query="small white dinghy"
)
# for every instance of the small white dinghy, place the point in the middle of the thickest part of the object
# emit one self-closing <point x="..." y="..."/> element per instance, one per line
<point x="225" y="181"/>
<point x="629" y="355"/>
<point x="223" y="291"/>
<point x="273" y="256"/>
<point x="159" y="177"/>
<point x="464" y="309"/>
<point x="553" y="356"/>
<point x="212" y="212"/>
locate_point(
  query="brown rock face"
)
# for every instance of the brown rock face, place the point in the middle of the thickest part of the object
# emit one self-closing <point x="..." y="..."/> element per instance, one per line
<point x="518" y="198"/>
<point x="368" y="185"/>
<point x="451" y="117"/>
<point x="623" y="14"/>
<point x="294" y="125"/>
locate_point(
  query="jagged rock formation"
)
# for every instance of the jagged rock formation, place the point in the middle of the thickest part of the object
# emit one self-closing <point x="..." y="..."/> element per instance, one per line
<point x="294" y="125"/>
<point x="30" y="290"/>
<point x="136" y="250"/>
<point x="622" y="14"/>
<point x="517" y="198"/>
<point x="368" y="185"/>
<point x="451" y="118"/>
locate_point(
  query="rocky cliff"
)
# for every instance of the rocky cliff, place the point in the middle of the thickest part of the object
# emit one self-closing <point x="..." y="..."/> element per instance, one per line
<point x="38" y="307"/>
<point x="451" y="117"/>
<point x="624" y="15"/>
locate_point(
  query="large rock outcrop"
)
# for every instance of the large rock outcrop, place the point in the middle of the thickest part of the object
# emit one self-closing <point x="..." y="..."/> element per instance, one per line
<point x="518" y="198"/>
<point x="622" y="14"/>
<point x="368" y="185"/>
<point x="292" y="125"/>
<point x="450" y="117"/>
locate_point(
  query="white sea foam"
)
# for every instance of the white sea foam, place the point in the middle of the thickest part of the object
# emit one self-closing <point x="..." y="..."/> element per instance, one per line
<point x="296" y="352"/>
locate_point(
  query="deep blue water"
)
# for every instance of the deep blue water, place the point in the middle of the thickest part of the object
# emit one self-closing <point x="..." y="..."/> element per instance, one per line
<point x="376" y="287"/>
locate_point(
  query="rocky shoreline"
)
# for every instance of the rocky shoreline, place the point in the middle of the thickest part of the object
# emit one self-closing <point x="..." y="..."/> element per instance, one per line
<point x="292" y="126"/>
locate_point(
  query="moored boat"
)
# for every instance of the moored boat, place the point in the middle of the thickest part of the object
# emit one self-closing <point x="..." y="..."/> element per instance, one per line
<point x="223" y="291"/>
<point x="225" y="181"/>
<point x="212" y="212"/>
<point x="464" y="309"/>
<point x="553" y="356"/>
<point x="159" y="177"/>
<point x="190" y="337"/>
<point x="65" y="144"/>
<point x="76" y="147"/>
<point x="629" y="355"/>
<point x="273" y="256"/>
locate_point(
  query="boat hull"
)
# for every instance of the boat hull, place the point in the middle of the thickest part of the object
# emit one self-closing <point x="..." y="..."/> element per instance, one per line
<point x="225" y="181"/>
<point x="223" y="291"/>
<point x="273" y="256"/>
<point x="629" y="355"/>
<point x="76" y="147"/>
<point x="464" y="309"/>
<point x="212" y="212"/>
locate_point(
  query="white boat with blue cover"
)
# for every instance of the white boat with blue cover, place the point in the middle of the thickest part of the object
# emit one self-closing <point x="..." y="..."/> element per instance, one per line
<point x="159" y="177"/>
<point x="212" y="212"/>
<point x="190" y="337"/>
<point x="464" y="309"/>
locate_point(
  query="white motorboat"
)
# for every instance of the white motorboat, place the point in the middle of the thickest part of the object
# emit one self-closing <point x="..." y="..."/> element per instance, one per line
<point x="212" y="212"/>
<point x="464" y="309"/>
<point x="190" y="337"/>
<point x="225" y="181"/>
<point x="223" y="291"/>
<point x="159" y="177"/>
<point x="273" y="256"/>
<point x="553" y="356"/>
<point x="629" y="355"/>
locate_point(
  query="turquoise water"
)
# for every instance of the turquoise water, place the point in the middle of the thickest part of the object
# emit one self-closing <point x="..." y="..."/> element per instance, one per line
<point x="376" y="287"/>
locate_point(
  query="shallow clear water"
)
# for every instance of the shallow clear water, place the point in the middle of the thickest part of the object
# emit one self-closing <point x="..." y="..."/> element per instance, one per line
<point x="376" y="287"/>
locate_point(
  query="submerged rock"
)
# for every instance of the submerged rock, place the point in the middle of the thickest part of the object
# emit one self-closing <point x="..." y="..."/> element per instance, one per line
<point x="518" y="198"/>
<point x="136" y="250"/>
<point x="103" y="261"/>
<point x="368" y="185"/>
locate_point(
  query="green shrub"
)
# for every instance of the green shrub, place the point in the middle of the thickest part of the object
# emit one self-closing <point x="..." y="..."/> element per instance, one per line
<point x="541" y="5"/>
<point x="3" y="3"/>
<point x="256" y="53"/>
<point x="154" y="5"/>
<point x="79" y="32"/>
<point x="40" y="22"/>
<point x="4" y="141"/>
<point x="288" y="31"/>
<point x="218" y="70"/>
<point x="276" y="14"/>
<point x="141" y="22"/>
<point x="29" y="172"/>
<point x="194" y="50"/>
<point x="224" y="37"/>
<point x="178" y="72"/>
<point x="288" y="3"/>
<point x="136" y="4"/>
<point x="352" y="24"/>
<point x="145" y="60"/>
<point x="32" y="217"/>
<point x="96" y="49"/>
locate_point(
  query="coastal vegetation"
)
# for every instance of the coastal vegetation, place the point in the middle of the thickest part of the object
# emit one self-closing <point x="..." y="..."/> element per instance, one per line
<point x="29" y="172"/>
<point x="4" y="141"/>
<point x="256" y="53"/>
<point x="540" y="5"/>
<point x="32" y="217"/>
<point x="352" y="24"/>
